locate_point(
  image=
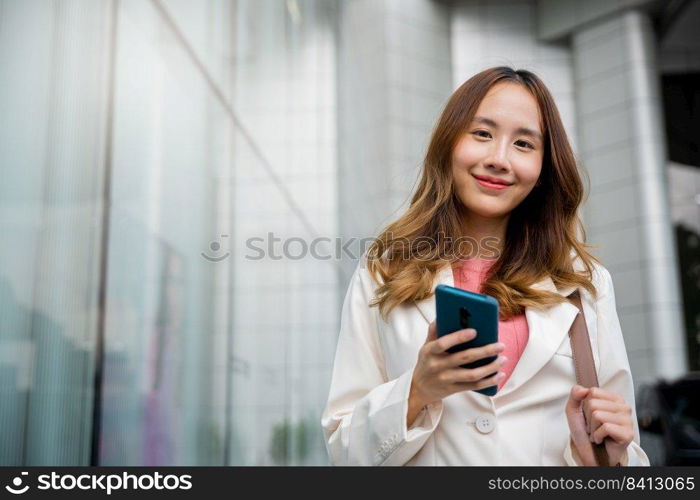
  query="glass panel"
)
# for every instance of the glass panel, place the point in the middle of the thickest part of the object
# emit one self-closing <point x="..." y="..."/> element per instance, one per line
<point x="52" y="146"/>
<point x="216" y="137"/>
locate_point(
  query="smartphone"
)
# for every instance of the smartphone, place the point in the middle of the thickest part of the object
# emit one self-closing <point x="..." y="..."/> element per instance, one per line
<point x="457" y="309"/>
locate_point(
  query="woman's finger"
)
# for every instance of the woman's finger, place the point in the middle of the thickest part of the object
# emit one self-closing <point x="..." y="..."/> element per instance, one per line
<point x="598" y="393"/>
<point x="604" y="405"/>
<point x="481" y="384"/>
<point x="476" y="374"/>
<point x="490" y="381"/>
<point x="621" y="434"/>
<point x="451" y="339"/>
<point x="474" y="354"/>
<point x="599" y="417"/>
<point x="593" y="405"/>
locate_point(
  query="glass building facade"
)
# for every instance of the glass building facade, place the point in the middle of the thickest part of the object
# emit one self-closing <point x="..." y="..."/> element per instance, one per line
<point x="181" y="182"/>
<point x="144" y="143"/>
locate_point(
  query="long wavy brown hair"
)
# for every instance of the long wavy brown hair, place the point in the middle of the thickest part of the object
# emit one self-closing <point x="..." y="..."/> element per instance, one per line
<point x="542" y="236"/>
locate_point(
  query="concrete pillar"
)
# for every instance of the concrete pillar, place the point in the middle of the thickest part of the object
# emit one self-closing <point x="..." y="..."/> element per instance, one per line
<point x="627" y="214"/>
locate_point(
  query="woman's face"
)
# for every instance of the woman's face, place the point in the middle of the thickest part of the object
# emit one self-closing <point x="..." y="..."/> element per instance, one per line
<point x="497" y="162"/>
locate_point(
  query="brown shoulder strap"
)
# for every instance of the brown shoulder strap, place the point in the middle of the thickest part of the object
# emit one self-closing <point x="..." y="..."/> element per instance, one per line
<point x="581" y="347"/>
<point x="584" y="365"/>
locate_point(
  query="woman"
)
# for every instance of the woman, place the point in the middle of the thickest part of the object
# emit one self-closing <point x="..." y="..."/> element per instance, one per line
<point x="500" y="175"/>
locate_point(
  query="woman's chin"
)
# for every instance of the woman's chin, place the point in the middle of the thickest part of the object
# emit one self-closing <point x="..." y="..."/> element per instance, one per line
<point x="484" y="210"/>
<point x="492" y="215"/>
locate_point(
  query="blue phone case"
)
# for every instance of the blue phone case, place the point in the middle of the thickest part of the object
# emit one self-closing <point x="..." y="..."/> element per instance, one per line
<point x="457" y="309"/>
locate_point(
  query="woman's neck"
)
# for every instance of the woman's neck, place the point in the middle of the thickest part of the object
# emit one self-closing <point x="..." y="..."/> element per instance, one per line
<point x="488" y="233"/>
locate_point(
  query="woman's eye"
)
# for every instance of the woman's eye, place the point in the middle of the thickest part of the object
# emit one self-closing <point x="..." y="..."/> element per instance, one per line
<point x="525" y="144"/>
<point x="478" y="132"/>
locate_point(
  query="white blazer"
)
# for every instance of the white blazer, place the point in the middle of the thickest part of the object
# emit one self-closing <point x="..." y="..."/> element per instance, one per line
<point x="364" y="421"/>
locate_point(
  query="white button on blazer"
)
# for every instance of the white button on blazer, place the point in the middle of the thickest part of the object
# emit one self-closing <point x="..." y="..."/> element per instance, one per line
<point x="364" y="421"/>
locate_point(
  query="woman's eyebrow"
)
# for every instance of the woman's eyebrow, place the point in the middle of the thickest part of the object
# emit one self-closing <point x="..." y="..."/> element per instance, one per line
<point x="521" y="130"/>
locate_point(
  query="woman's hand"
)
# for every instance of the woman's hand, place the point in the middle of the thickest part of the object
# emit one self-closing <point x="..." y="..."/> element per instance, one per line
<point x="606" y="416"/>
<point x="438" y="373"/>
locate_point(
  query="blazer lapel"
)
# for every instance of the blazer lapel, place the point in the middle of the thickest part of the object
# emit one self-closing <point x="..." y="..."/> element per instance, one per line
<point x="547" y="329"/>
<point x="427" y="306"/>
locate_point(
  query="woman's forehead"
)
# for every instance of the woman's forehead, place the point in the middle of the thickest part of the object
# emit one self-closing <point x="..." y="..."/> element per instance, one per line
<point x="510" y="105"/>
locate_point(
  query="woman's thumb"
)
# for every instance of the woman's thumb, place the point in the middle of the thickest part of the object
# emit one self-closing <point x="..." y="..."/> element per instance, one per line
<point x="577" y="395"/>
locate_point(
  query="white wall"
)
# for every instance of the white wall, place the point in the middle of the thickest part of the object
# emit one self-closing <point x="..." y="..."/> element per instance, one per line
<point x="504" y="33"/>
<point x="393" y="78"/>
<point x="559" y="18"/>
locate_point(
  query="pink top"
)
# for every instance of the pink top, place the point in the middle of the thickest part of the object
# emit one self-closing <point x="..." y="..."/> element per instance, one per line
<point x="469" y="275"/>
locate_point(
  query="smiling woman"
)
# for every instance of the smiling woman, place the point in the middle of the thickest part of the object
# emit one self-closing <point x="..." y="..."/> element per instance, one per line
<point x="498" y="166"/>
<point x="497" y="163"/>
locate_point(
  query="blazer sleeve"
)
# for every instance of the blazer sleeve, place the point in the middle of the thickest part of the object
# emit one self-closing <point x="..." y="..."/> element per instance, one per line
<point x="364" y="422"/>
<point x="614" y="370"/>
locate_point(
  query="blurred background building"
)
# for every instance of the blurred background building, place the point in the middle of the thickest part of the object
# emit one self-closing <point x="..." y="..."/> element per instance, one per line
<point x="179" y="179"/>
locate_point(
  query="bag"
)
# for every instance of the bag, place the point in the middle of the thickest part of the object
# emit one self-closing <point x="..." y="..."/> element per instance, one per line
<point x="584" y="366"/>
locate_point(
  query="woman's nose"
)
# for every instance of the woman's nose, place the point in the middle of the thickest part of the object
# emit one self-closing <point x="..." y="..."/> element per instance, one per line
<point x="498" y="159"/>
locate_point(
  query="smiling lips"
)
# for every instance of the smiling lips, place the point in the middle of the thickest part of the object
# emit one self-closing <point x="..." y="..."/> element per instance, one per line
<point x="492" y="182"/>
